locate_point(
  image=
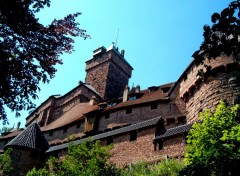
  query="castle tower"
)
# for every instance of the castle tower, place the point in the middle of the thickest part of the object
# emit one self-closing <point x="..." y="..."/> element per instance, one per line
<point x="108" y="72"/>
<point x="204" y="91"/>
<point x="29" y="149"/>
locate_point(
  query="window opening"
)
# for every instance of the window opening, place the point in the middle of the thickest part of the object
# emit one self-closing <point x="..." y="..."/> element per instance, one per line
<point x="133" y="135"/>
<point x="154" y="106"/>
<point x="129" y="110"/>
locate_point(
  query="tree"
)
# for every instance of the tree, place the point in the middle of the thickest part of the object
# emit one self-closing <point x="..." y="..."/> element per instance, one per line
<point x="223" y="36"/>
<point x="5" y="130"/>
<point x="6" y="163"/>
<point x="88" y="158"/>
<point x="213" y="145"/>
<point x="168" y="167"/>
<point x="29" y="51"/>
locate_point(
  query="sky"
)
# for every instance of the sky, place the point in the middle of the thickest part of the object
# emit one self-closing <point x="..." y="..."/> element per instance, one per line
<point x="158" y="36"/>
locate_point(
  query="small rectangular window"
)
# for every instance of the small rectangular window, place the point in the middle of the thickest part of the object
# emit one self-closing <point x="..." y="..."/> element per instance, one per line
<point x="129" y="110"/>
<point x="78" y="125"/>
<point x="109" y="140"/>
<point x="154" y="106"/>
<point x="133" y="135"/>
<point x="107" y="116"/>
<point x="65" y="130"/>
<point x="50" y="133"/>
<point x="132" y="98"/>
<point x="158" y="145"/>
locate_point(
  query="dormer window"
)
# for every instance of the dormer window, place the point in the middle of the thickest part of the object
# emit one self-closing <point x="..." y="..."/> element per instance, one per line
<point x="112" y="104"/>
<point x="133" y="97"/>
<point x="102" y="105"/>
<point x="165" y="89"/>
<point x="152" y="89"/>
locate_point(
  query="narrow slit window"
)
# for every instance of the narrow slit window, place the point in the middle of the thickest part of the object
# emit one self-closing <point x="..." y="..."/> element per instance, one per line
<point x="129" y="110"/>
<point x="154" y="106"/>
<point x="50" y="133"/>
<point x="107" y="116"/>
<point x="78" y="125"/>
<point x="65" y="130"/>
<point x="133" y="135"/>
<point x="109" y="140"/>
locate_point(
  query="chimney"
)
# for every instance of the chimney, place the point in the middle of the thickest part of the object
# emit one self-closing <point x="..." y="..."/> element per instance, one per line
<point x="122" y="52"/>
<point x="93" y="101"/>
<point x="137" y="89"/>
<point x="125" y="93"/>
<point x="80" y="82"/>
<point x="18" y="125"/>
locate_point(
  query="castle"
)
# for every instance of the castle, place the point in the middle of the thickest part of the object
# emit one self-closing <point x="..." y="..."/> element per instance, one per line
<point x="143" y="125"/>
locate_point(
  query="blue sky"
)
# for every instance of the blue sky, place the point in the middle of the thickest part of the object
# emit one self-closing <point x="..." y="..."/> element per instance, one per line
<point x="158" y="36"/>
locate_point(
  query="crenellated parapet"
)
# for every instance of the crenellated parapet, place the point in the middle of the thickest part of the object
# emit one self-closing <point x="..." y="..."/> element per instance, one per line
<point x="205" y="90"/>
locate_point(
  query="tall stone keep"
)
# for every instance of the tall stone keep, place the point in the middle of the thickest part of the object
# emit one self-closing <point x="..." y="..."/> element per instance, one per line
<point x="108" y="72"/>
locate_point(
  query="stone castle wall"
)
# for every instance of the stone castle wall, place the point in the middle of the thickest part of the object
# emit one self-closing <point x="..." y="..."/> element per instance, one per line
<point x="125" y="151"/>
<point x="140" y="113"/>
<point x="55" y="107"/>
<point x="222" y="83"/>
<point x="108" y="73"/>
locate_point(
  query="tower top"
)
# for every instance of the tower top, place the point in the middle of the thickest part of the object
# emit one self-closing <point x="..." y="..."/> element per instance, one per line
<point x="108" y="72"/>
<point x="102" y="50"/>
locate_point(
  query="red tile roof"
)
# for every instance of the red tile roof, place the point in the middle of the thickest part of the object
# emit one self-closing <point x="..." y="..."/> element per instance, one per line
<point x="12" y="134"/>
<point x="146" y="96"/>
<point x="74" y="114"/>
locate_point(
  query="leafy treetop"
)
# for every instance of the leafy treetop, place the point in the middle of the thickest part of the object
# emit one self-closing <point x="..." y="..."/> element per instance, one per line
<point x="224" y="35"/>
<point x="29" y="51"/>
<point x="214" y="143"/>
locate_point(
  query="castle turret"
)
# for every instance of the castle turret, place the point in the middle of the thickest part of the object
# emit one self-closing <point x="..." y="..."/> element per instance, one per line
<point x="108" y="72"/>
<point x="203" y="87"/>
<point x="29" y="149"/>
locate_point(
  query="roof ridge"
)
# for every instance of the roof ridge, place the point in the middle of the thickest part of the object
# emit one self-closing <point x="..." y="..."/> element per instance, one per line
<point x="31" y="137"/>
<point x="125" y="129"/>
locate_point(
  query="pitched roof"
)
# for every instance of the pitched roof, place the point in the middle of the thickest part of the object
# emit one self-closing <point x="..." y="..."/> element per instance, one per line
<point x="140" y="125"/>
<point x="12" y="134"/>
<point x="174" y="131"/>
<point x="61" y="97"/>
<point x="31" y="137"/>
<point x="74" y="114"/>
<point x="146" y="97"/>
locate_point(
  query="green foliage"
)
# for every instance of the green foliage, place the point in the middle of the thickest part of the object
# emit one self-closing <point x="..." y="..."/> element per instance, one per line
<point x="41" y="172"/>
<point x="5" y="130"/>
<point x="138" y="169"/>
<point x="214" y="143"/>
<point x="168" y="167"/>
<point x="223" y="35"/>
<point x="30" y="51"/>
<point x="6" y="163"/>
<point x="86" y="159"/>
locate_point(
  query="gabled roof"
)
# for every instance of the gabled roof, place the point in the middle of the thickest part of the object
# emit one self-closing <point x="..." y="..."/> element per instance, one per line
<point x="61" y="97"/>
<point x="74" y="114"/>
<point x="12" y="134"/>
<point x="146" y="97"/>
<point x="174" y="131"/>
<point x="140" y="125"/>
<point x="31" y="137"/>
